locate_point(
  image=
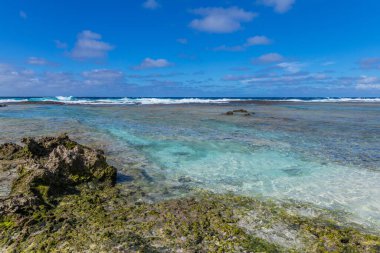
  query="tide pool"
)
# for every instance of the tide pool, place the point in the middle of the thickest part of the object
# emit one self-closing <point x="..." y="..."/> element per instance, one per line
<point x="318" y="153"/>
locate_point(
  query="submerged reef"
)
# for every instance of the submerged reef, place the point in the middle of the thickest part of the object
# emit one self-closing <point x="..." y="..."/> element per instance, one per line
<point x="63" y="198"/>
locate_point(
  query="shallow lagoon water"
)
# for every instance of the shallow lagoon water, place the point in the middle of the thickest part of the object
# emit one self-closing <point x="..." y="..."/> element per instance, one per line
<point x="319" y="153"/>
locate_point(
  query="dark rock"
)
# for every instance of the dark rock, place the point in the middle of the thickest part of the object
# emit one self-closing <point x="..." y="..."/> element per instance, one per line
<point x="3" y="105"/>
<point x="239" y="112"/>
<point x="8" y="151"/>
<point x="51" y="167"/>
<point x="33" y="147"/>
<point x="184" y="179"/>
<point x="46" y="145"/>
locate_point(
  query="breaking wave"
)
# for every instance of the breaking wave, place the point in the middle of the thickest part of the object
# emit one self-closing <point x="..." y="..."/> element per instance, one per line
<point x="157" y="101"/>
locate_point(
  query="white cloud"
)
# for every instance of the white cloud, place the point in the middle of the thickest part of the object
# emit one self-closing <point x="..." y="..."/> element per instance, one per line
<point x="269" y="58"/>
<point x="23" y="15"/>
<point x="151" y="4"/>
<point x="220" y="20"/>
<point x="295" y="80"/>
<point x="292" y="67"/>
<point x="102" y="74"/>
<point x="257" y="40"/>
<point x="368" y="83"/>
<point x="230" y="48"/>
<point x="90" y="46"/>
<point x="149" y="63"/>
<point x="328" y="63"/>
<point x="280" y="6"/>
<point x="16" y="81"/>
<point x="252" y="41"/>
<point x="37" y="61"/>
<point x="60" y="44"/>
<point x="370" y="63"/>
<point x="102" y="77"/>
<point x="58" y="80"/>
<point x="362" y="86"/>
<point x="12" y="78"/>
<point x="316" y="80"/>
<point x="286" y="79"/>
<point x="182" y="41"/>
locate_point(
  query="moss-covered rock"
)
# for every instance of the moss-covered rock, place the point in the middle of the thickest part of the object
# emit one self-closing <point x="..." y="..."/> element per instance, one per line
<point x="105" y="221"/>
<point x="51" y="167"/>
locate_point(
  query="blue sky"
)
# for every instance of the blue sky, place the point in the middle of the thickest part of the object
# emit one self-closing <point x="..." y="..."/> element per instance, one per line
<point x="190" y="48"/>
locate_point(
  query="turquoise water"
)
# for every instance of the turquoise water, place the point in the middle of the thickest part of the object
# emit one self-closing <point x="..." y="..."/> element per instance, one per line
<point x="327" y="154"/>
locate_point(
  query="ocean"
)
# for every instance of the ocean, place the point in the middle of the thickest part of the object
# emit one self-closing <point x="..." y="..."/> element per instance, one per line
<point x="179" y="100"/>
<point x="321" y="151"/>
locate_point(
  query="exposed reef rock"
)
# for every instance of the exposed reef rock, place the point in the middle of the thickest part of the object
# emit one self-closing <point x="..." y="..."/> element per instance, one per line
<point x="3" y="105"/>
<point x="48" y="168"/>
<point x="239" y="112"/>
<point x="64" y="199"/>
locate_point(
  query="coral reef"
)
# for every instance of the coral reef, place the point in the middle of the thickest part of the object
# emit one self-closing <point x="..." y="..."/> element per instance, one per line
<point x="64" y="199"/>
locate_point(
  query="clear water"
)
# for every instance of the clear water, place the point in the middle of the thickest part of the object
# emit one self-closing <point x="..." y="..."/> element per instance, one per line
<point x="327" y="154"/>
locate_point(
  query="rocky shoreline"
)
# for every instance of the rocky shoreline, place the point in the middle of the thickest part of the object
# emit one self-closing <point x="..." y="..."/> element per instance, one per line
<point x="63" y="197"/>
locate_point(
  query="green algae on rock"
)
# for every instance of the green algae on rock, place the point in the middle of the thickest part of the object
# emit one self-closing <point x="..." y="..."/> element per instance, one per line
<point x="105" y="221"/>
<point x="51" y="167"/>
<point x="65" y="200"/>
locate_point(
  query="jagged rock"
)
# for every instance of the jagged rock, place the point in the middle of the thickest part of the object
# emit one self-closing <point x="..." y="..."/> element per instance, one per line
<point x="51" y="167"/>
<point x="9" y="150"/>
<point x="239" y="111"/>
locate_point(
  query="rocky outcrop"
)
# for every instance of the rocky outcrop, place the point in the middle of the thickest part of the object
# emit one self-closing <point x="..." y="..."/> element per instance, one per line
<point x="3" y="105"/>
<point x="48" y="168"/>
<point x="239" y="112"/>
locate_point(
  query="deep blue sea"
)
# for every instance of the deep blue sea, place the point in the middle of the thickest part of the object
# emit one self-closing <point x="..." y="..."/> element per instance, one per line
<point x="323" y="151"/>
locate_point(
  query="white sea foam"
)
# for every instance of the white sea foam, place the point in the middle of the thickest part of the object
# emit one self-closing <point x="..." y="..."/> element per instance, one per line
<point x="12" y="100"/>
<point x="168" y="101"/>
<point x="329" y="100"/>
<point x="183" y="101"/>
<point x="143" y="101"/>
<point x="62" y="98"/>
<point x="337" y="100"/>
